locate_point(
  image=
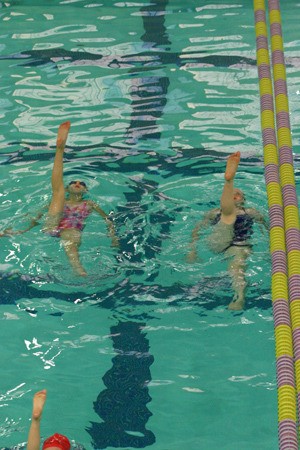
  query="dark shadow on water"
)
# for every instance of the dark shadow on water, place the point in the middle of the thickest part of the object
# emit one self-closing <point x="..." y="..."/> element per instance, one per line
<point x="122" y="405"/>
<point x="125" y="293"/>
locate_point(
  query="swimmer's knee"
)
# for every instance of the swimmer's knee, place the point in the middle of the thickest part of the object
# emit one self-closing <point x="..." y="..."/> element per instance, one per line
<point x="71" y="236"/>
<point x="70" y="244"/>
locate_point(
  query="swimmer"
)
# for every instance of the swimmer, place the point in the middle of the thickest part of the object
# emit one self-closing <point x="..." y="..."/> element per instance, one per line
<point x="66" y="216"/>
<point x="232" y="229"/>
<point x="54" y="442"/>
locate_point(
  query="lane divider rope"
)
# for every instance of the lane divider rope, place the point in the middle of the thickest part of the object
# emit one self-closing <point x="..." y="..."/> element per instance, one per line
<point x="284" y="218"/>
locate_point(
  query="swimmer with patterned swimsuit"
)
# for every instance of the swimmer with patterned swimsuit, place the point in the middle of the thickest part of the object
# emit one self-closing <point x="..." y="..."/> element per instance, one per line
<point x="66" y="216"/>
<point x="73" y="217"/>
<point x="232" y="228"/>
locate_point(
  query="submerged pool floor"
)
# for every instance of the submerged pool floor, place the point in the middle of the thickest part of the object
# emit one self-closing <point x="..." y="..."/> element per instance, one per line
<point x="143" y="352"/>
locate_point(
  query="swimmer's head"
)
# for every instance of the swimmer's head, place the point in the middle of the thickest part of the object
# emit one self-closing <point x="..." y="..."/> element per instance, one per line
<point x="58" y="442"/>
<point x="238" y="197"/>
<point x="76" y="187"/>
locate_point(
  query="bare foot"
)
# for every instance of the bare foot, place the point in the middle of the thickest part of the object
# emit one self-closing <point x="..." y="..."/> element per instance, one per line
<point x="82" y="273"/>
<point x="79" y="270"/>
<point x="62" y="134"/>
<point x="236" y="305"/>
<point x="232" y="165"/>
<point x="39" y="400"/>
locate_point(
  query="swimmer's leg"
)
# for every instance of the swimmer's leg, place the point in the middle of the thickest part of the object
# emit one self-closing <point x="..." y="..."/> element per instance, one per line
<point x="222" y="234"/>
<point x="236" y="268"/>
<point x="221" y="237"/>
<point x="228" y="208"/>
<point x="58" y="190"/>
<point x="34" y="437"/>
<point x="71" y="239"/>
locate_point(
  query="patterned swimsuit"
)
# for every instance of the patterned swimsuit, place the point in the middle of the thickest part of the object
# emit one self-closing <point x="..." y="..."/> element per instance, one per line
<point x="74" y="216"/>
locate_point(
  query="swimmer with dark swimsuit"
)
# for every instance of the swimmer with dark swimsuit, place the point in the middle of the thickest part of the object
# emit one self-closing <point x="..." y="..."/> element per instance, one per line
<point x="232" y="229"/>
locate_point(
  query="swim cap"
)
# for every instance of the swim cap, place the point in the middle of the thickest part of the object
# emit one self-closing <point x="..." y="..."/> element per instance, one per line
<point x="57" y="440"/>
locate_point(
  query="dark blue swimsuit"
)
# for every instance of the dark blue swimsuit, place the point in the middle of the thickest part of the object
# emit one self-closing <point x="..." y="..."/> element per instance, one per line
<point x="242" y="229"/>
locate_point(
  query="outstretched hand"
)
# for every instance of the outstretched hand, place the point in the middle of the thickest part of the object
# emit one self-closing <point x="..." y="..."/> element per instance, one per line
<point x="8" y="232"/>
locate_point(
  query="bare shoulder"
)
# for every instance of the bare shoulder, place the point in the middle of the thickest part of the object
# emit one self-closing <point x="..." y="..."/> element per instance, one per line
<point x="254" y="213"/>
<point x="95" y="207"/>
<point x="212" y="213"/>
<point x="209" y="216"/>
<point x="251" y="211"/>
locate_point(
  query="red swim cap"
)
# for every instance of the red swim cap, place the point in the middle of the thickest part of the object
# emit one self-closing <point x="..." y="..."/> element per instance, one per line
<point x="57" y="440"/>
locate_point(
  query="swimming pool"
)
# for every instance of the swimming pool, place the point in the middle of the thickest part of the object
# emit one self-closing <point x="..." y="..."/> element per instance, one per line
<point x="144" y="352"/>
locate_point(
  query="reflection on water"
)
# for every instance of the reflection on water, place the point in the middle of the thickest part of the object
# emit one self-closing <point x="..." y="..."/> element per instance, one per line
<point x="158" y="95"/>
